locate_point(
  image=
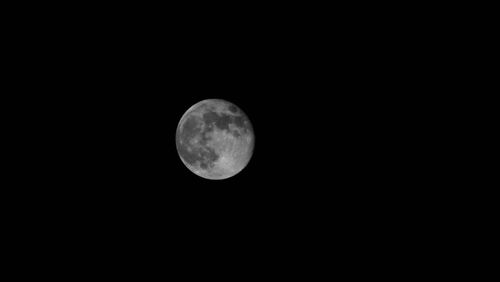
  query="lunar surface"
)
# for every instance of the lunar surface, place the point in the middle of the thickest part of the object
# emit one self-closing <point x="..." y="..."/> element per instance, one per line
<point x="215" y="139"/>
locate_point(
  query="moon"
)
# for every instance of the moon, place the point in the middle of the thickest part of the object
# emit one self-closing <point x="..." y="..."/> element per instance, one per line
<point x="215" y="150"/>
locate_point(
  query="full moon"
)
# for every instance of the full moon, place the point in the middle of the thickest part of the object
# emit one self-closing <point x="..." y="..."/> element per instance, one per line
<point x="215" y="139"/>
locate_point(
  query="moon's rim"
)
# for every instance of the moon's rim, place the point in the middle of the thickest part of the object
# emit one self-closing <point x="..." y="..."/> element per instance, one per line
<point x="208" y="102"/>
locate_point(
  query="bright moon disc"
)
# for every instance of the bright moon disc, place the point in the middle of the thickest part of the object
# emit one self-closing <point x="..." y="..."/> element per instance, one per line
<point x="215" y="139"/>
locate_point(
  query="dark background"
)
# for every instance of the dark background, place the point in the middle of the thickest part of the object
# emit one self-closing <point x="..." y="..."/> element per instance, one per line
<point x="119" y="92"/>
<point x="323" y="93"/>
